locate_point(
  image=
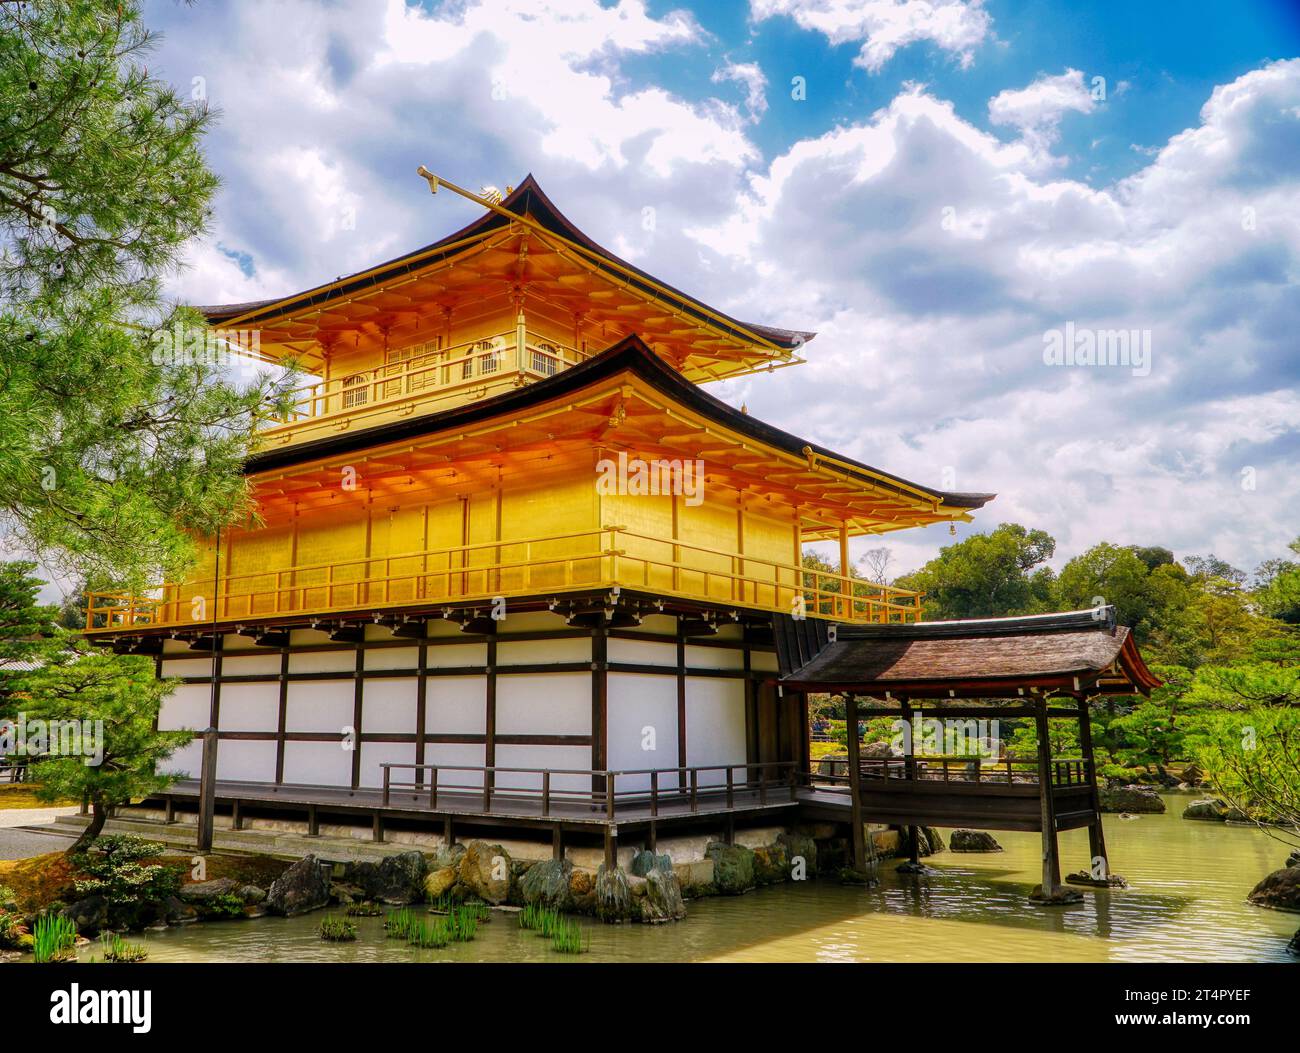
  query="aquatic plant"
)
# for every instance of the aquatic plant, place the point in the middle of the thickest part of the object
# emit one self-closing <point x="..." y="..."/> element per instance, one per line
<point x="568" y="937"/>
<point x="337" y="930"/>
<point x="363" y="910"/>
<point x="118" y="950"/>
<point x="462" y="924"/>
<point x="431" y="933"/>
<point x="542" y="920"/>
<point x="54" y="938"/>
<point x="398" y="923"/>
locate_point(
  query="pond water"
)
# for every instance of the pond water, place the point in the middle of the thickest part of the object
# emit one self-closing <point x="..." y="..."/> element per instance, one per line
<point x="1187" y="902"/>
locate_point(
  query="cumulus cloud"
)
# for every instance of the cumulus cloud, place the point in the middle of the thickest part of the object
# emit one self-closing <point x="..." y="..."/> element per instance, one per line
<point x="1036" y="111"/>
<point x="933" y="258"/>
<point x="885" y="26"/>
<point x="750" y="76"/>
<point x="931" y="254"/>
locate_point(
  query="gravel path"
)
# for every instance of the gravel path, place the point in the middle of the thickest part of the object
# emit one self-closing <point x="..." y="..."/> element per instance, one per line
<point x="19" y="844"/>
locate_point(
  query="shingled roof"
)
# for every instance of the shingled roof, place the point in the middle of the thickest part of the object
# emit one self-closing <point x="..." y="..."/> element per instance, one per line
<point x="984" y="657"/>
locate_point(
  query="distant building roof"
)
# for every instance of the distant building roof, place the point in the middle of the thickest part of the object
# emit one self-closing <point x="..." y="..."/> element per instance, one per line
<point x="1073" y="650"/>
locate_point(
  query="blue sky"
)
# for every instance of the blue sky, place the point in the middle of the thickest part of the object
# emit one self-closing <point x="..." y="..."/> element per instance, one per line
<point x="953" y="187"/>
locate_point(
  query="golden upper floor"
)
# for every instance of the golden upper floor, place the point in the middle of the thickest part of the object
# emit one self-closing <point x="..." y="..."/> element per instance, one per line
<point x="517" y="295"/>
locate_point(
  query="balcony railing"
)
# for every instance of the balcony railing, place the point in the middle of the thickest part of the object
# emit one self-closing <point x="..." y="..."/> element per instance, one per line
<point x="517" y="567"/>
<point x="428" y="380"/>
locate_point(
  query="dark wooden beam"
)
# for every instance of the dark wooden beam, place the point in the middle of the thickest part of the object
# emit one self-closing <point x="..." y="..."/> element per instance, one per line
<point x="855" y="783"/>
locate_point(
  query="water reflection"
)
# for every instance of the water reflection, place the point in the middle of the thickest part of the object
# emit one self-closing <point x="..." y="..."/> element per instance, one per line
<point x="1186" y="903"/>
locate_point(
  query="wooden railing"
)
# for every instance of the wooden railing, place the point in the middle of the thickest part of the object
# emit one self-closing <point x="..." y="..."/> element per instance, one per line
<point x="691" y="789"/>
<point x="610" y="556"/>
<point x="427" y="377"/>
<point x="1006" y="771"/>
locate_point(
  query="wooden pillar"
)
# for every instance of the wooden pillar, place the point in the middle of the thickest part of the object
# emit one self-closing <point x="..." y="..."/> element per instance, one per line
<point x="1096" y="839"/>
<point x="855" y="783"/>
<point x="846" y="597"/>
<point x="207" y="790"/>
<point x="208" y="765"/>
<point x="282" y="715"/>
<point x="358" y="702"/>
<point x="490" y="717"/>
<point x="599" y="706"/>
<point x="909" y="770"/>
<point x="1047" y="811"/>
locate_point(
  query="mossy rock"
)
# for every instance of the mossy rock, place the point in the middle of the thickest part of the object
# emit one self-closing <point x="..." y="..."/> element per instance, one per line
<point x="613" y="895"/>
<point x="797" y="847"/>
<point x="646" y="861"/>
<point x="733" y="867"/>
<point x="486" y="872"/>
<point x="548" y="884"/>
<point x="771" y="864"/>
<point x="1131" y="798"/>
<point x="663" y="898"/>
<point x="439" y="883"/>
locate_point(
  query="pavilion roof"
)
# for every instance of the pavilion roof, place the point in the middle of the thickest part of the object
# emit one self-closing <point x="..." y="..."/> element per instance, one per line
<point x="626" y="397"/>
<point x="563" y="268"/>
<point x="983" y="657"/>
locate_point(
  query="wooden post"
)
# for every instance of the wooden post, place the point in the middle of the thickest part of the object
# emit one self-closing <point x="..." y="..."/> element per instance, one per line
<point x="855" y="783"/>
<point x="207" y="790"/>
<point x="1096" y="839"/>
<point x="846" y="596"/>
<point x="1047" y="812"/>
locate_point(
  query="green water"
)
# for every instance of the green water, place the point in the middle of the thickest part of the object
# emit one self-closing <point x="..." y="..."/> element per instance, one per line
<point x="1186" y="903"/>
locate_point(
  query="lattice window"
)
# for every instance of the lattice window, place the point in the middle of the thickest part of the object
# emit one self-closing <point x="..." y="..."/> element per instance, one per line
<point x="355" y="392"/>
<point x="544" y="359"/>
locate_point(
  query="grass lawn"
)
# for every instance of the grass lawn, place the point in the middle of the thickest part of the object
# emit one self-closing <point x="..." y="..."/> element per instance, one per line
<point x="23" y="795"/>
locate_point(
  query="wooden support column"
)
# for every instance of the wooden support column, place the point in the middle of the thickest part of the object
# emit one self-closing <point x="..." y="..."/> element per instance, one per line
<point x="208" y="765"/>
<point x="421" y="705"/>
<point x="846" y="598"/>
<point x="855" y="783"/>
<point x="1096" y="839"/>
<point x="490" y="721"/>
<point x="681" y="697"/>
<point x="283" y="715"/>
<point x="358" y="700"/>
<point x="1047" y="811"/>
<point x="599" y="707"/>
<point x="909" y="769"/>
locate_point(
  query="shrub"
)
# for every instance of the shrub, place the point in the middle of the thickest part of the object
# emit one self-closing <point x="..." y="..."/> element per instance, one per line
<point x="133" y="890"/>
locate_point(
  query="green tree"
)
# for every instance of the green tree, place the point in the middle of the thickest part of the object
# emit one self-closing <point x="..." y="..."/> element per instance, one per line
<point x="987" y="575"/>
<point x="24" y="624"/>
<point x="109" y="457"/>
<point x="1278" y="594"/>
<point x="1110" y="574"/>
<point x="116" y="698"/>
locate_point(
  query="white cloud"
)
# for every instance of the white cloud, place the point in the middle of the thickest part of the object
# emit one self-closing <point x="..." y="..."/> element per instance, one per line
<point x="929" y="253"/>
<point x="1036" y="111"/>
<point x="750" y="76"/>
<point x="885" y="26"/>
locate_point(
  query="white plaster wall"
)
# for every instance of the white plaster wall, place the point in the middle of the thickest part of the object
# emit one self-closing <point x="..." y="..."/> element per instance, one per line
<point x="444" y="656"/>
<point x="246" y="761"/>
<point x="236" y="642"/>
<point x="544" y="704"/>
<point x="317" y="763"/>
<point x="319" y="705"/>
<point x="250" y="664"/>
<point x="552" y="757"/>
<point x="375" y="753"/>
<point x="763" y="661"/>
<point x="389" y="705"/>
<point x="250" y="707"/>
<point x="187" y="761"/>
<point x="638" y="701"/>
<point x="533" y="652"/>
<point x="323" y="662"/>
<point x="393" y="658"/>
<point x="456" y="705"/>
<point x="187" y="666"/>
<point x="714" y="657"/>
<point x="642" y="652"/>
<point x="715" y="725"/>
<point x="455" y="753"/>
<point x="187" y="706"/>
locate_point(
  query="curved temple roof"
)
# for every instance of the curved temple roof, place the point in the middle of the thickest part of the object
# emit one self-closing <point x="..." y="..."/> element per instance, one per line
<point x="984" y="657"/>
<point x="630" y="355"/>
<point x="527" y="200"/>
